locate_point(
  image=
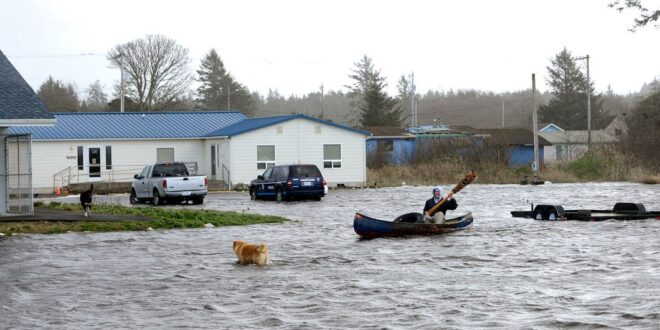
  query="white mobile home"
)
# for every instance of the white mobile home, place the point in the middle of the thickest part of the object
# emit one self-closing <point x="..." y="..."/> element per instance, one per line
<point x="224" y="146"/>
<point x="253" y="145"/>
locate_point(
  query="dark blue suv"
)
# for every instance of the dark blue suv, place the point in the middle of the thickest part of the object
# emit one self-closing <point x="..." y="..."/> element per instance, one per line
<point x="288" y="181"/>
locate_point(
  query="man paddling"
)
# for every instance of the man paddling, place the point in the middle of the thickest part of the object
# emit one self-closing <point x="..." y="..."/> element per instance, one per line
<point x="439" y="215"/>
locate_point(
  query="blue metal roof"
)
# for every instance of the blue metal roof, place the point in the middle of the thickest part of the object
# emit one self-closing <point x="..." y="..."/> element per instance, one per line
<point x="256" y="123"/>
<point x="131" y="125"/>
<point x="17" y="99"/>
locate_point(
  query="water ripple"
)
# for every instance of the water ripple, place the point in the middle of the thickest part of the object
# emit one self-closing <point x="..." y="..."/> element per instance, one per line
<point x="503" y="273"/>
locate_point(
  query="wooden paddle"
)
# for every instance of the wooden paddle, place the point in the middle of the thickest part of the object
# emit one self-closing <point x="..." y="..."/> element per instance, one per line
<point x="466" y="181"/>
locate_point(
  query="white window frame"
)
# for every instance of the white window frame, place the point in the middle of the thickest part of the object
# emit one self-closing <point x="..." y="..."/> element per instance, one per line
<point x="163" y="150"/>
<point x="332" y="162"/>
<point x="265" y="164"/>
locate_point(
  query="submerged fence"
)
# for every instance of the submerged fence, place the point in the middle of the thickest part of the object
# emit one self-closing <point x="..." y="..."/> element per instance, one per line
<point x="18" y="174"/>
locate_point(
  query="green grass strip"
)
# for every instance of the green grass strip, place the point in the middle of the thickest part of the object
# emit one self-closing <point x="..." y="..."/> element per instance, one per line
<point x="164" y="218"/>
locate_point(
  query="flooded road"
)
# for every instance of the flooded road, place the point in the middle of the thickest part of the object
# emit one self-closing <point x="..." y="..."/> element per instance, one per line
<point x="504" y="272"/>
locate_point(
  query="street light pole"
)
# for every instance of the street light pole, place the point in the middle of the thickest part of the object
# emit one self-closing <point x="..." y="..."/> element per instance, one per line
<point x="228" y="97"/>
<point x="588" y="102"/>
<point x="120" y="56"/>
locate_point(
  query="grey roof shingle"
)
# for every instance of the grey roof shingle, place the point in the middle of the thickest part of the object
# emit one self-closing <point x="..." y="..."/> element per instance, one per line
<point x="17" y="99"/>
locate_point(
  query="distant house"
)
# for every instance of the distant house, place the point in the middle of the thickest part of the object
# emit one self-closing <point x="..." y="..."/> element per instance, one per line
<point x="224" y="146"/>
<point x="398" y="146"/>
<point x="393" y="145"/>
<point x="19" y="106"/>
<point x="572" y="144"/>
<point x="550" y="128"/>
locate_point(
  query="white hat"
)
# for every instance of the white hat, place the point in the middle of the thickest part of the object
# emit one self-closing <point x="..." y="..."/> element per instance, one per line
<point x="438" y="188"/>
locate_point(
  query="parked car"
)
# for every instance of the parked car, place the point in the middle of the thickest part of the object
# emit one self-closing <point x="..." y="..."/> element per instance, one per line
<point x="289" y="181"/>
<point x="168" y="182"/>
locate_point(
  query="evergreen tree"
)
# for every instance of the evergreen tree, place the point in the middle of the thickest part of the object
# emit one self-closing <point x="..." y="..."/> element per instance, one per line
<point x="368" y="96"/>
<point x="378" y="109"/>
<point x="59" y="97"/>
<point x="405" y="88"/>
<point x="219" y="90"/>
<point x="643" y="140"/>
<point x="568" y="106"/>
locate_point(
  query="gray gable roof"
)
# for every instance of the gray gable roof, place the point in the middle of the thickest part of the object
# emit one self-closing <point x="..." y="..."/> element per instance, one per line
<point x="17" y="100"/>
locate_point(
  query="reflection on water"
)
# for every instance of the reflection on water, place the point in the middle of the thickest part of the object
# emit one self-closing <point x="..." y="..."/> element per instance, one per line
<point x="504" y="272"/>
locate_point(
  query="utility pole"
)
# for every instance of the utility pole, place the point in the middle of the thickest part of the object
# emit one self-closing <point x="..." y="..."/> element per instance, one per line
<point x="535" y="165"/>
<point x="588" y="102"/>
<point x="121" y="82"/>
<point x="502" y="111"/>
<point x="413" y="105"/>
<point x="588" y="107"/>
<point x="321" y="101"/>
<point x="228" y="97"/>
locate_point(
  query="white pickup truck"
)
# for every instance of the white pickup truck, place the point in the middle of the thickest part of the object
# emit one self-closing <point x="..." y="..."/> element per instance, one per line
<point x="168" y="182"/>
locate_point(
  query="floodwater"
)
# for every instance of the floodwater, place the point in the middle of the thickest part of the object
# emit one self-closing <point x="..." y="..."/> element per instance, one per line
<point x="503" y="273"/>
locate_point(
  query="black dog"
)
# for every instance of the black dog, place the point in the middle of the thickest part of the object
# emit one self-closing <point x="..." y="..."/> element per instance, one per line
<point x="86" y="201"/>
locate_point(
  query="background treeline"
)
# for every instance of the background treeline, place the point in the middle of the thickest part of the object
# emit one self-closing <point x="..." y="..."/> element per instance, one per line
<point x="158" y="77"/>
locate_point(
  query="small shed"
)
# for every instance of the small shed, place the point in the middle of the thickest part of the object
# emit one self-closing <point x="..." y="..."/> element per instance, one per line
<point x="19" y="106"/>
<point x="519" y="142"/>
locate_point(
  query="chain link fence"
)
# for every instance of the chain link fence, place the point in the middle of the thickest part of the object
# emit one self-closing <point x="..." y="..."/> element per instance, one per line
<point x="18" y="155"/>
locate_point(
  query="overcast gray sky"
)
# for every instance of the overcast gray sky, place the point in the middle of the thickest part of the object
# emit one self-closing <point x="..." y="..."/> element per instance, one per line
<point x="295" y="46"/>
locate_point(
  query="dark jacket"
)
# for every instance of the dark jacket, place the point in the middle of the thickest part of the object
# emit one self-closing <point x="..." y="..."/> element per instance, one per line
<point x="86" y="197"/>
<point x="449" y="205"/>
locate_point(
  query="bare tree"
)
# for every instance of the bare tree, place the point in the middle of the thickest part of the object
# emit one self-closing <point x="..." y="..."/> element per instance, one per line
<point x="158" y="69"/>
<point x="96" y="99"/>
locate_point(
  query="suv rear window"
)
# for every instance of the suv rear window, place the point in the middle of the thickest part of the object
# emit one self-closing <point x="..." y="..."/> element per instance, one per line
<point x="305" y="171"/>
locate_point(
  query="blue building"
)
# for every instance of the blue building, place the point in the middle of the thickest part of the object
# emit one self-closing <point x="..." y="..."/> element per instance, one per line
<point x="398" y="146"/>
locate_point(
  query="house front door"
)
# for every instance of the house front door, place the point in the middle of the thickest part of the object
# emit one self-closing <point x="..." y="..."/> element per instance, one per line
<point x="213" y="162"/>
<point x="94" y="164"/>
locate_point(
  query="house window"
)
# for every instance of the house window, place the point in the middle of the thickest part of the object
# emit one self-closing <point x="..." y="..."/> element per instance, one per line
<point x="164" y="155"/>
<point x="265" y="157"/>
<point x="81" y="163"/>
<point x="385" y="145"/>
<point x="332" y="156"/>
<point x="108" y="157"/>
<point x="618" y="132"/>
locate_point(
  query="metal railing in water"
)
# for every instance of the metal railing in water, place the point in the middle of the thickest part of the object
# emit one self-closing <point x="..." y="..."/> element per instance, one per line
<point x="228" y="177"/>
<point x="82" y="174"/>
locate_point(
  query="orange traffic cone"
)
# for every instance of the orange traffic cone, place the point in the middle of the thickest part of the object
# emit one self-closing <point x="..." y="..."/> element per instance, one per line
<point x="57" y="190"/>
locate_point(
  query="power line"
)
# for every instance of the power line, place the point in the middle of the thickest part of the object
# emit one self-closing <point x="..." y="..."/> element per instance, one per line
<point x="54" y="55"/>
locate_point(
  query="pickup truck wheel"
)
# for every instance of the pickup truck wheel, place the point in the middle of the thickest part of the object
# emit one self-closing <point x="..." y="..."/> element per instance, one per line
<point x="156" y="200"/>
<point x="278" y="195"/>
<point x="133" y="198"/>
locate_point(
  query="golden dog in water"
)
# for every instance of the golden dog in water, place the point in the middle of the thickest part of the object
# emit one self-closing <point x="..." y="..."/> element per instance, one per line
<point x="251" y="253"/>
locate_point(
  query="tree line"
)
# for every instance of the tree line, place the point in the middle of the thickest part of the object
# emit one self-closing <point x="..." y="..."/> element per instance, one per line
<point x="158" y="78"/>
